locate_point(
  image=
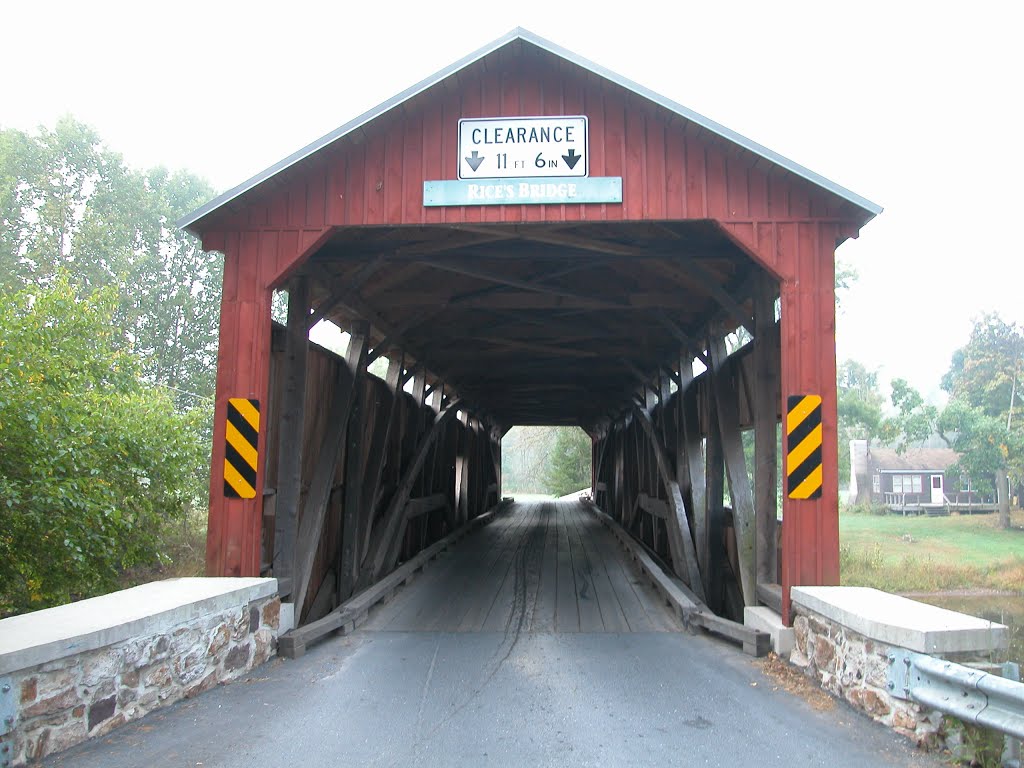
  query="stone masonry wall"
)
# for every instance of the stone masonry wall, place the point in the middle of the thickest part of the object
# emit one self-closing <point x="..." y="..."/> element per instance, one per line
<point x="67" y="701"/>
<point x="853" y="667"/>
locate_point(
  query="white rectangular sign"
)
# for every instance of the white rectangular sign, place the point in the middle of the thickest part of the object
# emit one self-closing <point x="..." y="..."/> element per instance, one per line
<point x="523" y="147"/>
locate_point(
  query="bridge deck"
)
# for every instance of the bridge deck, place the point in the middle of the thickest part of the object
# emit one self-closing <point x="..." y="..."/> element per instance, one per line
<point x="533" y="642"/>
<point x="541" y="567"/>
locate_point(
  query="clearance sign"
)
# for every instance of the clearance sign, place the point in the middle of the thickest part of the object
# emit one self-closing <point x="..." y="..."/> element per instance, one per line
<point x="523" y="147"/>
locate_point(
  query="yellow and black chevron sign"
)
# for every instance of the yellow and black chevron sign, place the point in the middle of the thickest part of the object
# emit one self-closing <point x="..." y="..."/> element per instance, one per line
<point x="240" y="451"/>
<point x="803" y="447"/>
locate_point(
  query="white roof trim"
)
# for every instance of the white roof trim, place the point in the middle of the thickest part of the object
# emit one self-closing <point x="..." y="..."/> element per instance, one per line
<point x="870" y="208"/>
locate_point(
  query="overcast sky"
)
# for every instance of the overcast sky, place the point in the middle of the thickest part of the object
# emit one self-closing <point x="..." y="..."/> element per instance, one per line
<point x="916" y="106"/>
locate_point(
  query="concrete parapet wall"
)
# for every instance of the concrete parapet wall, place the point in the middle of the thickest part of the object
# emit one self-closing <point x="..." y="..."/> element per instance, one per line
<point x="78" y="671"/>
<point x="844" y="637"/>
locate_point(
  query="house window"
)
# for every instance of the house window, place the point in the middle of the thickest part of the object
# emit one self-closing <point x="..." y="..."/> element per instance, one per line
<point x="906" y="484"/>
<point x="876" y="484"/>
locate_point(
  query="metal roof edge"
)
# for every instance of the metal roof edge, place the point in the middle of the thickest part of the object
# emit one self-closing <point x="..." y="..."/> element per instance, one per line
<point x="187" y="221"/>
<point x="707" y="123"/>
<point x="519" y="33"/>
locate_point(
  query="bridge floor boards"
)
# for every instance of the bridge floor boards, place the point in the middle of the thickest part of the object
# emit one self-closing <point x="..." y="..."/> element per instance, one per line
<point x="540" y="567"/>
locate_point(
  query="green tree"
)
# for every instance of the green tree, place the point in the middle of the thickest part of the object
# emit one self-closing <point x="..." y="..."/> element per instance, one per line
<point x="980" y="420"/>
<point x="983" y="413"/>
<point x="568" y="468"/>
<point x="94" y="464"/>
<point x="915" y="420"/>
<point x="69" y="204"/>
<point x="859" y="405"/>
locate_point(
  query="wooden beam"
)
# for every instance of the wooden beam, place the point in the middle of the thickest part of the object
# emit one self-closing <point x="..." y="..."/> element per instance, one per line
<point x="684" y="556"/>
<point x="714" y="505"/>
<point x="293" y="417"/>
<point x="376" y="456"/>
<point x="378" y="559"/>
<point x="314" y="511"/>
<point x="544" y="349"/>
<point x="352" y="286"/>
<point x="462" y="464"/>
<point x="726" y="399"/>
<point x="766" y="402"/>
<point x="653" y="506"/>
<point x="691" y="465"/>
<point x="348" y="560"/>
<point x="397" y="335"/>
<point x="425" y="505"/>
<point x="708" y="284"/>
<point x="688" y="343"/>
<point x="525" y="285"/>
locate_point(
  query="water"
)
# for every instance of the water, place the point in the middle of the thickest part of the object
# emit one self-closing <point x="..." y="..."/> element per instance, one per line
<point x="1005" y="609"/>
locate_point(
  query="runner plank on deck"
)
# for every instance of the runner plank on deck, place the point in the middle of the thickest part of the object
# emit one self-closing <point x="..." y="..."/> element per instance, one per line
<point x="546" y="567"/>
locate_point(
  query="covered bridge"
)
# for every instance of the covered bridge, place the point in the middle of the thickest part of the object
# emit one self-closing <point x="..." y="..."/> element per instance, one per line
<point x="528" y="238"/>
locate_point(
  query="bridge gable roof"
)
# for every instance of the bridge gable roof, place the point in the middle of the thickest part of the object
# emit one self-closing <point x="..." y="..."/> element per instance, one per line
<point x="202" y="218"/>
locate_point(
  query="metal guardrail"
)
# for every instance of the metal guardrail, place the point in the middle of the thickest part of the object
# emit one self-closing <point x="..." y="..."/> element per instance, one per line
<point x="972" y="696"/>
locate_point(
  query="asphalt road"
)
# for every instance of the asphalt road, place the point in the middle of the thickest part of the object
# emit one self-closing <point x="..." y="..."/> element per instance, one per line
<point x="514" y="689"/>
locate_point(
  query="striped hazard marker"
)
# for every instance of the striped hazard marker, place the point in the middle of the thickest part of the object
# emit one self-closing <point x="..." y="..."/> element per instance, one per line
<point x="803" y="447"/>
<point x="240" y="451"/>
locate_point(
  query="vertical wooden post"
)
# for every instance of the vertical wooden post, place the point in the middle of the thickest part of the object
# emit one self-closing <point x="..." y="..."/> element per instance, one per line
<point x="462" y="457"/>
<point x="714" y="510"/>
<point x="726" y="397"/>
<point x="375" y="453"/>
<point x="810" y="527"/>
<point x="293" y="416"/>
<point x="243" y="370"/>
<point x="696" y="470"/>
<point x="766" y="446"/>
<point x="348" y="561"/>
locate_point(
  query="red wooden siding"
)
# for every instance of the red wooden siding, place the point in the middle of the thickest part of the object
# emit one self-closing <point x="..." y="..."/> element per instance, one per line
<point x="671" y="170"/>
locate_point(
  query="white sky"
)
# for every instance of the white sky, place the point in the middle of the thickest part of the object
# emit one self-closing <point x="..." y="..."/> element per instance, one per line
<point x="915" y="105"/>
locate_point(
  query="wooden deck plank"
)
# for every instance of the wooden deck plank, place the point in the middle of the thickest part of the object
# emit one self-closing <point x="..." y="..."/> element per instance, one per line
<point x="470" y="578"/>
<point x="543" y="619"/>
<point x="583" y="568"/>
<point x="514" y="603"/>
<point x="567" y="611"/>
<point x="643" y="609"/>
<point x="469" y="581"/>
<point x="428" y="605"/>
<point x="483" y="593"/>
<point x="548" y="567"/>
<point x="589" y="531"/>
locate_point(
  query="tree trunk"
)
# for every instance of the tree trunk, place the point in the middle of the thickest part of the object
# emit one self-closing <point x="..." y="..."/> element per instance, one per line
<point x="1002" y="496"/>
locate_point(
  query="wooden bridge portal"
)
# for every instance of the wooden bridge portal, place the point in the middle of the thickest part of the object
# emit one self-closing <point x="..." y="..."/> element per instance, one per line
<point x="625" y="314"/>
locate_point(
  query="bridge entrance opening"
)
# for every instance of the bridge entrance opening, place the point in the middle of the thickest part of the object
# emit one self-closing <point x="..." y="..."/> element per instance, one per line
<point x="675" y="293"/>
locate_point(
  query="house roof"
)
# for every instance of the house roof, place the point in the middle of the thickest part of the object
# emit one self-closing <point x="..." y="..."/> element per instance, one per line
<point x="192" y="221"/>
<point x="913" y="459"/>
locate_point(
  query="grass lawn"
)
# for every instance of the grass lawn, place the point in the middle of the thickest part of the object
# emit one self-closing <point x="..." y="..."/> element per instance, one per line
<point x="907" y="554"/>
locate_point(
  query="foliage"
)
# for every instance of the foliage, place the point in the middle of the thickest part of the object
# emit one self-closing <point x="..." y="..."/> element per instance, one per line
<point x="525" y="452"/>
<point x="70" y="205"/>
<point x="93" y="463"/>
<point x="979" y="420"/>
<point x="846" y="276"/>
<point x="915" y="420"/>
<point x="568" y="468"/>
<point x="859" y="405"/>
<point x="984" y="373"/>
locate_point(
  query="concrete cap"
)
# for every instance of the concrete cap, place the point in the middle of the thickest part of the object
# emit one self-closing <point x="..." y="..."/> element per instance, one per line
<point x="149" y="609"/>
<point x="902" y="622"/>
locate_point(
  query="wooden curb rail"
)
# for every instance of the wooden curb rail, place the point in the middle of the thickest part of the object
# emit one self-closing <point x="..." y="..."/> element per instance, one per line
<point x="350" y="614"/>
<point x="690" y="610"/>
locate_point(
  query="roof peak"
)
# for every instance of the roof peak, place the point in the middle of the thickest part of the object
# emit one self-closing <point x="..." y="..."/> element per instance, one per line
<point x="869" y="208"/>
